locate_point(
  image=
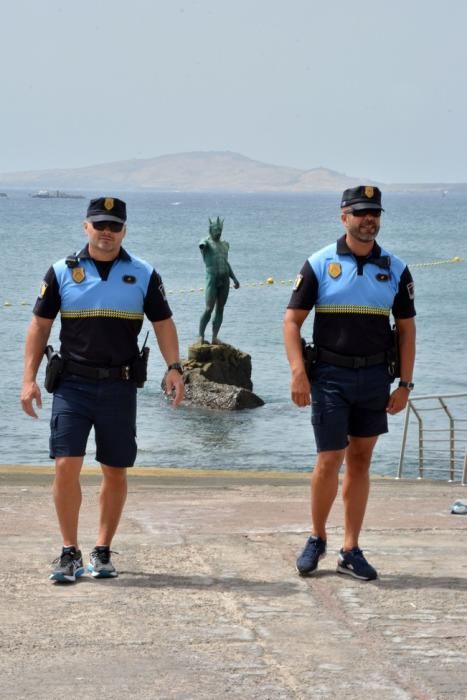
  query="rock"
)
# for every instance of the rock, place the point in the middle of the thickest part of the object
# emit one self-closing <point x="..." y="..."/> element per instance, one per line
<point x="218" y="376"/>
<point x="222" y="364"/>
<point x="221" y="396"/>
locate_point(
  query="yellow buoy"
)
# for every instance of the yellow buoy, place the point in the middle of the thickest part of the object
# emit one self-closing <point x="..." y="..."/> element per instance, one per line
<point x="270" y="280"/>
<point x="456" y="259"/>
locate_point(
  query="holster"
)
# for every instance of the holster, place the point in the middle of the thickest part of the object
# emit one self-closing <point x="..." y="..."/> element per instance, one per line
<point x="394" y="355"/>
<point x="139" y="368"/>
<point x="54" y="369"/>
<point x="310" y="357"/>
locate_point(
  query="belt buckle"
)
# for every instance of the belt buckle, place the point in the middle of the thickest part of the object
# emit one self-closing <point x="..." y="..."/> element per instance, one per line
<point x="126" y="372"/>
<point x="359" y="362"/>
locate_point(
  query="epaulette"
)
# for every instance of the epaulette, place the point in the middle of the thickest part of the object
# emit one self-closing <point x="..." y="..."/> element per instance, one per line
<point x="72" y="260"/>
<point x="384" y="261"/>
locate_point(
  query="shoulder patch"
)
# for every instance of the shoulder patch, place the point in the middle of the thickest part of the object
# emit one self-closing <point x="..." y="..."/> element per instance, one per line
<point x="411" y="290"/>
<point x="43" y="289"/>
<point x="298" y="282"/>
<point x="162" y="291"/>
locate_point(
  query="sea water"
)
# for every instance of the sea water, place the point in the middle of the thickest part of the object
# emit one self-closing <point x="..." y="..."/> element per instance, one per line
<point x="270" y="236"/>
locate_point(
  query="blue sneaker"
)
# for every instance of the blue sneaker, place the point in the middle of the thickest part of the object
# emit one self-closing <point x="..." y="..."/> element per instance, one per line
<point x="307" y="562"/>
<point x="354" y="564"/>
<point x="100" y="564"/>
<point x="68" y="566"/>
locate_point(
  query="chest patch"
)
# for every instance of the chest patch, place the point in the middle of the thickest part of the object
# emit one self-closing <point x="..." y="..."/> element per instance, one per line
<point x="78" y="274"/>
<point x="334" y="270"/>
<point x="129" y="279"/>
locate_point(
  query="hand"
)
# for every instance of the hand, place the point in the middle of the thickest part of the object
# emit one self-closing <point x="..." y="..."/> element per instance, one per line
<point x="174" y="386"/>
<point x="397" y="401"/>
<point x="236" y="284"/>
<point x="30" y="393"/>
<point x="300" y="389"/>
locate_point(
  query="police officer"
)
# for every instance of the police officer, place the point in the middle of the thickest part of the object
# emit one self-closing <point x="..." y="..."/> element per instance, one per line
<point x="102" y="294"/>
<point x="353" y="285"/>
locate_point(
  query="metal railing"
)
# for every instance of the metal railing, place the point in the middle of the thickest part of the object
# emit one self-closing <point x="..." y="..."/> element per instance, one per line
<point x="442" y="437"/>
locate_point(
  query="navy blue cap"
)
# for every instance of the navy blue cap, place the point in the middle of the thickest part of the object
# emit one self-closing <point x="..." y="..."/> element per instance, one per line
<point x="362" y="197"/>
<point x="106" y="209"/>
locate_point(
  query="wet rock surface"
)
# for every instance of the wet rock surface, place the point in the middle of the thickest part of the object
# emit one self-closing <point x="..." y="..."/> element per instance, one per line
<point x="219" y="377"/>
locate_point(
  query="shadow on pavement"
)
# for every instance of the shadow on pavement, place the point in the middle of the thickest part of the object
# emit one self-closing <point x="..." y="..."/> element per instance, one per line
<point x="142" y="579"/>
<point x="403" y="581"/>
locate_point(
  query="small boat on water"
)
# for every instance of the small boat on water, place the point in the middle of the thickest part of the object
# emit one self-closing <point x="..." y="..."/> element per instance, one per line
<point x="56" y="194"/>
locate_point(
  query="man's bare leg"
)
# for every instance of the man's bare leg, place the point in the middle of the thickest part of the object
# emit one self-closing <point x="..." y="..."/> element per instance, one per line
<point x="324" y="486"/>
<point x="356" y="487"/>
<point x="67" y="497"/>
<point x="112" y="498"/>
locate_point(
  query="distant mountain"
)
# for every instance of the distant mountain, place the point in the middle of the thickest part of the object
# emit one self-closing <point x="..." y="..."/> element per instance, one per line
<point x="203" y="171"/>
<point x="186" y="172"/>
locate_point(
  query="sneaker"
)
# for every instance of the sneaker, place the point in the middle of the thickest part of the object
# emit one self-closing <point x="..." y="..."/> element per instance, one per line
<point x="307" y="562"/>
<point x="100" y="564"/>
<point x="68" y="566"/>
<point x="354" y="564"/>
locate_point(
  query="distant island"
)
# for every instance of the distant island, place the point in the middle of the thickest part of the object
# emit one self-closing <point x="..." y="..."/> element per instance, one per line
<point x="204" y="171"/>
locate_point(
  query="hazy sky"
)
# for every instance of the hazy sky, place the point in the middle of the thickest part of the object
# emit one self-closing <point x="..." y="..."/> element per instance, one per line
<point x="371" y="89"/>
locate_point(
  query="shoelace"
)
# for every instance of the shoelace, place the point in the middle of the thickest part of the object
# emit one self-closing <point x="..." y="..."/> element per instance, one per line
<point x="65" y="558"/>
<point x="103" y="554"/>
<point x="356" y="552"/>
<point x="311" y="546"/>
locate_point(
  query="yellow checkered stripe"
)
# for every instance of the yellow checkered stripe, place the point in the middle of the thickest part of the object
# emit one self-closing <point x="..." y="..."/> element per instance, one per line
<point x="352" y="309"/>
<point x="103" y="313"/>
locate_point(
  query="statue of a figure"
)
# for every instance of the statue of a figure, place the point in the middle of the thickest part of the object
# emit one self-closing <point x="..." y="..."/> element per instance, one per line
<point x="218" y="275"/>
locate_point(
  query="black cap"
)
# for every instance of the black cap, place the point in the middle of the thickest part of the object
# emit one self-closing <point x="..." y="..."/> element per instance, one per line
<point x="362" y="197"/>
<point x="106" y="209"/>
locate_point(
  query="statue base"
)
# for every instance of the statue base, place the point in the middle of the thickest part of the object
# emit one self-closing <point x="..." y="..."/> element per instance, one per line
<point x="218" y="376"/>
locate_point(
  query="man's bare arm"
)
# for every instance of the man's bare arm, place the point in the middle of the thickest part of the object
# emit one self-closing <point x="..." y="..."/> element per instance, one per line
<point x="36" y="342"/>
<point x="167" y="339"/>
<point x="300" y="385"/>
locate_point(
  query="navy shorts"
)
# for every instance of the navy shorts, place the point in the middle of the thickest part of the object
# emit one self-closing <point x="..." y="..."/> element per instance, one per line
<point x="109" y="406"/>
<point x="348" y="402"/>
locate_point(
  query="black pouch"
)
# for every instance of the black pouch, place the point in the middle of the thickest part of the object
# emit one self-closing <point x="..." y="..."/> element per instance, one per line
<point x="54" y="369"/>
<point x="310" y="357"/>
<point x="139" y="368"/>
<point x="394" y="356"/>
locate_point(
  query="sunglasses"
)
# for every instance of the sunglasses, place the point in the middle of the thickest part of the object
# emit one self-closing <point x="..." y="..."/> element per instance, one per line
<point x="113" y="226"/>
<point x="364" y="212"/>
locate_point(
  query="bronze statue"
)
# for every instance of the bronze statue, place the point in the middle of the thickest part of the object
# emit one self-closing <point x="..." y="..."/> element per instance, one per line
<point x="218" y="275"/>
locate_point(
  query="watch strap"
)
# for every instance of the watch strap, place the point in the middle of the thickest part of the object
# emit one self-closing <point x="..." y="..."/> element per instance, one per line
<point x="406" y="385"/>
<point x="177" y="366"/>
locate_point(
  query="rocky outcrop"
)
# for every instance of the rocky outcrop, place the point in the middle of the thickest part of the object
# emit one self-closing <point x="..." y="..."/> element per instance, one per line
<point x="218" y="376"/>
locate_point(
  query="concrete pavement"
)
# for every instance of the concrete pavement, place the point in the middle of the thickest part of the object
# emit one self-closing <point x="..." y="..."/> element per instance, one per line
<point x="208" y="604"/>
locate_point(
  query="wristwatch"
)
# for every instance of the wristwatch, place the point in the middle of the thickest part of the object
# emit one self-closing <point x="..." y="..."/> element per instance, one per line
<point x="406" y="385"/>
<point x="177" y="366"/>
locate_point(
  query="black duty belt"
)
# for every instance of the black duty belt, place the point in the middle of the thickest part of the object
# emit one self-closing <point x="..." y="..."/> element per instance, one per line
<point x="80" y="370"/>
<point x="351" y="361"/>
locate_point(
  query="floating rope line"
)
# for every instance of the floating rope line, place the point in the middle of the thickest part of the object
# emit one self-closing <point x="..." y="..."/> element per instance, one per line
<point x="270" y="280"/>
